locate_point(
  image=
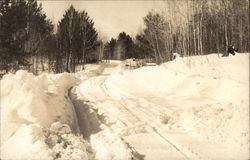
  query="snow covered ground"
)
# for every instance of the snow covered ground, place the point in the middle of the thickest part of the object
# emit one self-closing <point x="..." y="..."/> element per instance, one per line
<point x="190" y="108"/>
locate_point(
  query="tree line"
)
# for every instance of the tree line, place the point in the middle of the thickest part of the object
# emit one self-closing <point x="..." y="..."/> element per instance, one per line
<point x="29" y="40"/>
<point x="190" y="27"/>
<point x="195" y="27"/>
<point x="24" y="31"/>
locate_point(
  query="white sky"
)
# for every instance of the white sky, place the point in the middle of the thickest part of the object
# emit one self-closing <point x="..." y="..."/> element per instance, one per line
<point x="110" y="17"/>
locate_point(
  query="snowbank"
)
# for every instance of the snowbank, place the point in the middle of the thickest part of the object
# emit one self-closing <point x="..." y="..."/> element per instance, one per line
<point x="197" y="75"/>
<point x="205" y="95"/>
<point x="30" y="106"/>
<point x="38" y="120"/>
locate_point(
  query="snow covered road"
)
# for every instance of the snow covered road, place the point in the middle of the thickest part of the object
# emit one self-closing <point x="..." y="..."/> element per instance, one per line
<point x="171" y="124"/>
<point x="194" y="108"/>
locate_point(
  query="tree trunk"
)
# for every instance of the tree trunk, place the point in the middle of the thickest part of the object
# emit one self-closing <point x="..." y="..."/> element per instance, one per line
<point x="225" y="28"/>
<point x="194" y="31"/>
<point x="158" y="48"/>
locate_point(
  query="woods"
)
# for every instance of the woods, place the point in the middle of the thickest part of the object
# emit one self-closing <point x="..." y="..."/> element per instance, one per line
<point x="196" y="27"/>
<point x="120" y="49"/>
<point x="77" y="40"/>
<point x="29" y="40"/>
<point x="23" y="34"/>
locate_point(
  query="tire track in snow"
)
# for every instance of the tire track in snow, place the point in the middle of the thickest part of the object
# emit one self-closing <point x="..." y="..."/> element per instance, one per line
<point x="148" y="114"/>
<point x="121" y="102"/>
<point x="94" y="103"/>
<point x="149" y="121"/>
<point x="123" y="107"/>
<point x="86" y="117"/>
<point x="161" y="133"/>
<point x="99" y="81"/>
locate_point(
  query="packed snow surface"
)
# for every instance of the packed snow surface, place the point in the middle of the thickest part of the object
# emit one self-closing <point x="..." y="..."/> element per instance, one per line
<point x="190" y="108"/>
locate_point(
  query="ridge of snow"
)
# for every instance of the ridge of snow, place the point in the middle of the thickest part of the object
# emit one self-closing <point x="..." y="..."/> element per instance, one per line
<point x="192" y="107"/>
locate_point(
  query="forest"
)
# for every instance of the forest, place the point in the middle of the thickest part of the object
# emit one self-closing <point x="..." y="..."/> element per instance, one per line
<point x="29" y="40"/>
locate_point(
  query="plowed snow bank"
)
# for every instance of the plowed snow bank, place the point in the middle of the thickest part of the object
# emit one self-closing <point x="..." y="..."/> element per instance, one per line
<point x="206" y="96"/>
<point x="30" y="106"/>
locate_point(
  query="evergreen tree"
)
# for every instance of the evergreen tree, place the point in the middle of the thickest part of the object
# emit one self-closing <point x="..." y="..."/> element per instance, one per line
<point x="23" y="28"/>
<point x="88" y="37"/>
<point x="143" y="48"/>
<point x="13" y="34"/>
<point x="109" y="49"/>
<point x="67" y="38"/>
<point x="77" y="39"/>
<point x="126" y="43"/>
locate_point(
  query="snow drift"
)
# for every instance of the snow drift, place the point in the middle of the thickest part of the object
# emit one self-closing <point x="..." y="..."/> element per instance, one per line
<point x="206" y="96"/>
<point x="198" y="104"/>
<point x="30" y="106"/>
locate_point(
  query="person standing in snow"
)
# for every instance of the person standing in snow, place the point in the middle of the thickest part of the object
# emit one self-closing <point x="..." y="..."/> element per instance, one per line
<point x="231" y="50"/>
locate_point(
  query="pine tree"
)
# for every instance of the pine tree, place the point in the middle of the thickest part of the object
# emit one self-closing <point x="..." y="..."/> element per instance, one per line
<point x="13" y="34"/>
<point x="109" y="49"/>
<point x="23" y="29"/>
<point x="88" y="37"/>
<point x="77" y="39"/>
<point x="143" y="48"/>
<point x="126" y="44"/>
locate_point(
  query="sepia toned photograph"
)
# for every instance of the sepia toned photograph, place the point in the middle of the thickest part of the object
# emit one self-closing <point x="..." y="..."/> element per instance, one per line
<point x="124" y="79"/>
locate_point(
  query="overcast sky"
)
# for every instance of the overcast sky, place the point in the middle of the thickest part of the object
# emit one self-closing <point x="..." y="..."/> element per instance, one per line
<point x="110" y="17"/>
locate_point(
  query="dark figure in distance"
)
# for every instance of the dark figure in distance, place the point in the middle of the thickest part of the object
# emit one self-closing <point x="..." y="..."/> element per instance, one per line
<point x="231" y="50"/>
